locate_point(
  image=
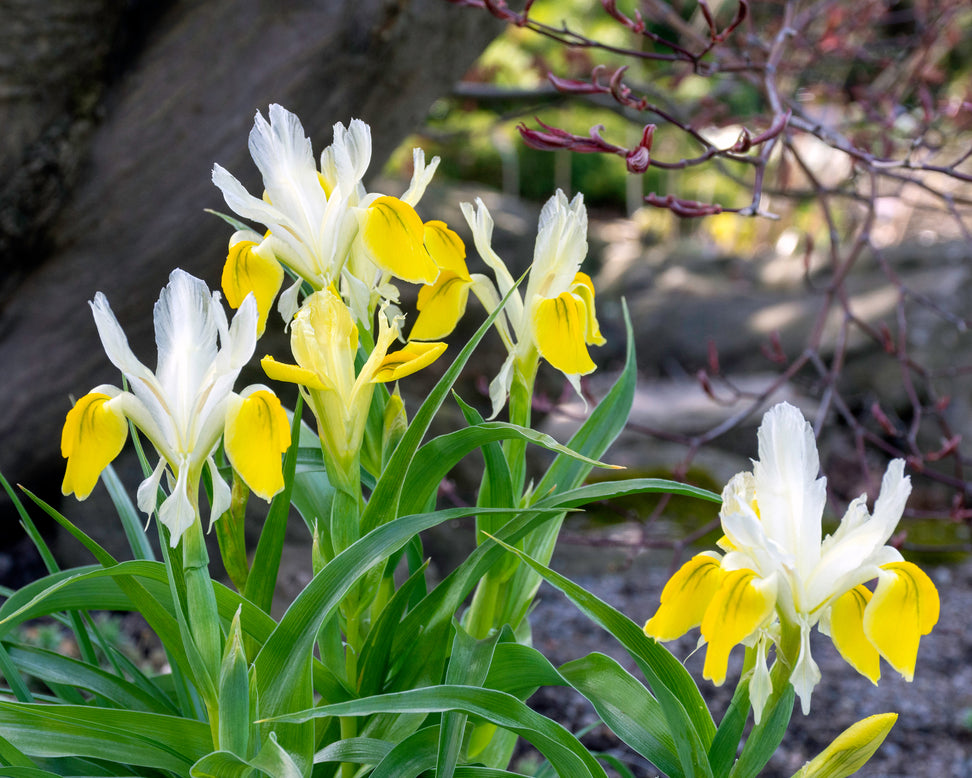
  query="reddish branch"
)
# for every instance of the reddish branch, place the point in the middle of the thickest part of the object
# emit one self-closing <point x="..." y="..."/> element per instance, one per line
<point x="867" y="79"/>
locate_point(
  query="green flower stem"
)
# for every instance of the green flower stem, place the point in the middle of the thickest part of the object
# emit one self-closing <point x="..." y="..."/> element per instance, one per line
<point x="521" y="404"/>
<point x="201" y="611"/>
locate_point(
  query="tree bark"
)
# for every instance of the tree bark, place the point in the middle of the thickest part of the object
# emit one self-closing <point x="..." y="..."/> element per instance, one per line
<point x="114" y="116"/>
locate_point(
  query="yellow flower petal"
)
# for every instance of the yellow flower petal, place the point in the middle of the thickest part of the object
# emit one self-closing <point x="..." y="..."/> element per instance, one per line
<point x="248" y="269"/>
<point x="851" y="748"/>
<point x="93" y="435"/>
<point x="257" y="433"/>
<point x="440" y="306"/>
<point x="685" y="598"/>
<point x="292" y="374"/>
<point x="414" y="356"/>
<point x="584" y="288"/>
<point x="904" y="607"/>
<point x="446" y="248"/>
<point x="847" y="632"/>
<point x="741" y="605"/>
<point x="393" y="234"/>
<point x="560" y="330"/>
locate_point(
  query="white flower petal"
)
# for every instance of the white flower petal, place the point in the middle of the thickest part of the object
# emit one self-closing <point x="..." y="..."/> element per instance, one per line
<point x="421" y="177"/>
<point x="222" y="496"/>
<point x="499" y="387"/>
<point x="177" y="512"/>
<point x="147" y="496"/>
<point x="790" y="496"/>
<point x="805" y="674"/>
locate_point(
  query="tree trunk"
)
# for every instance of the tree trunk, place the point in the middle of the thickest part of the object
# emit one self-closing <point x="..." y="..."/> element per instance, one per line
<point x="113" y="116"/>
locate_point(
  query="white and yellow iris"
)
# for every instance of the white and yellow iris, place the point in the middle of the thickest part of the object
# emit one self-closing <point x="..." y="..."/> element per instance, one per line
<point x="183" y="408"/>
<point x="777" y="570"/>
<point x="554" y="318"/>
<point x="321" y="223"/>
<point x="324" y="342"/>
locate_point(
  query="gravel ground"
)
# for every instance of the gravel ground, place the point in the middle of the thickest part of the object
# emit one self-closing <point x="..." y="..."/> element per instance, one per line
<point x="933" y="734"/>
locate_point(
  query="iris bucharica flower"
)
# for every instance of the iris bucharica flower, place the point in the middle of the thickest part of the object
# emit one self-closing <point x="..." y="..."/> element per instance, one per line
<point x="778" y="578"/>
<point x="555" y="316"/>
<point x="184" y="408"/>
<point x="321" y="222"/>
<point x="324" y="342"/>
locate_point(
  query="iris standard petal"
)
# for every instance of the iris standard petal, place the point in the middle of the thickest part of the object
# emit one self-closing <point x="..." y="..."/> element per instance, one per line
<point x="847" y="632"/>
<point x="252" y="268"/>
<point x="740" y="606"/>
<point x="560" y="328"/>
<point x="413" y="357"/>
<point x="686" y="597"/>
<point x="904" y="607"/>
<point x="291" y="374"/>
<point x="257" y="433"/>
<point x="94" y="434"/>
<point x="393" y="235"/>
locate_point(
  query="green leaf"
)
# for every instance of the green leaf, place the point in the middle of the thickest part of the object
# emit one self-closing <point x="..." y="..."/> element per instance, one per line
<point x="765" y="737"/>
<point x="725" y="744"/>
<point x="468" y="666"/>
<point x="119" y="736"/>
<point x="262" y="581"/>
<point x="132" y="523"/>
<point x="437" y="457"/>
<point x="284" y="660"/>
<point x="272" y="761"/>
<point x="562" y="749"/>
<point x="684" y="708"/>
<point x="234" y="694"/>
<point x="410" y="758"/>
<point x="51" y="667"/>
<point x="359" y="750"/>
<point x="626" y="706"/>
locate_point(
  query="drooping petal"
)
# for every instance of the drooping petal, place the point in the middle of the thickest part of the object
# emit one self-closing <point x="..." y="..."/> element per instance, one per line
<point x="806" y="673"/>
<point x="257" y="434"/>
<point x="177" y="512"/>
<point x="413" y="357"/>
<point x="685" y="597"/>
<point x="222" y="496"/>
<point x="740" y="606"/>
<point x="94" y="434"/>
<point x="761" y="683"/>
<point x="560" y="329"/>
<point x="147" y="496"/>
<point x="291" y="374"/>
<point x="904" y="607"/>
<point x="499" y="387"/>
<point x="251" y="267"/>
<point x="847" y="631"/>
<point x="440" y="306"/>
<point x="393" y="235"/>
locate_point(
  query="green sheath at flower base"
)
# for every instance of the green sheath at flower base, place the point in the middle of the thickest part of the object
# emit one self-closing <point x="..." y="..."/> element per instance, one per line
<point x="781" y="577"/>
<point x="183" y="408"/>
